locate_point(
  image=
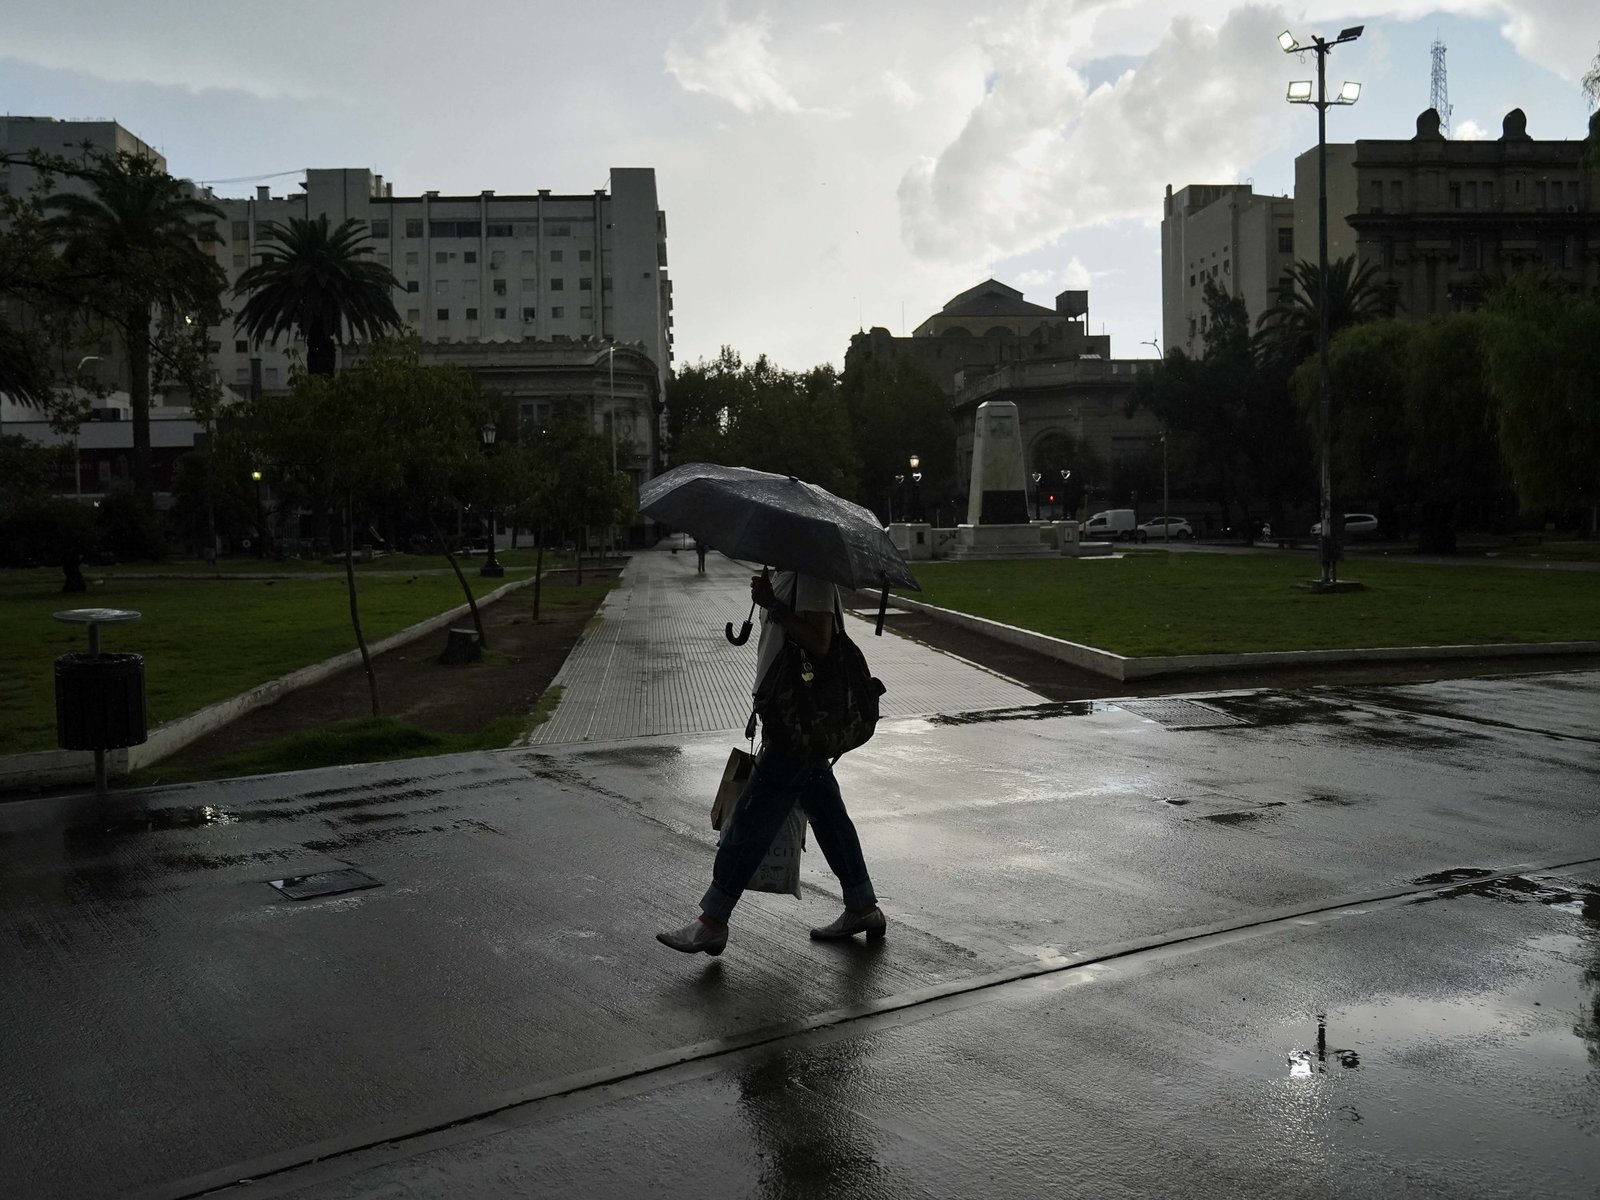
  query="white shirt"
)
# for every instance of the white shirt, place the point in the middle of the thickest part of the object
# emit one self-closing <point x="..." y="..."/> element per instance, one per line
<point x="801" y="593"/>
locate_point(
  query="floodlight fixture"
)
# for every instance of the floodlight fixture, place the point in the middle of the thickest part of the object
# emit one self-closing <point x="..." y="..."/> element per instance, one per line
<point x="1300" y="92"/>
<point x="1286" y="40"/>
<point x="1349" y="93"/>
<point x="1349" y="35"/>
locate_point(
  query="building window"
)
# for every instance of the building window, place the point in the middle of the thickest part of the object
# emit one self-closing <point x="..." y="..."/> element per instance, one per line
<point x="441" y="287"/>
<point x="555" y="256"/>
<point x="558" y="312"/>
<point x="441" y="256"/>
<point x="1554" y="253"/>
<point x="442" y="314"/>
<point x="271" y="378"/>
<point x="497" y="259"/>
<point x="1469" y="257"/>
<point x="241" y="231"/>
<point x="413" y="287"/>
<point x="530" y="257"/>
<point x="380" y="229"/>
<point x="413" y="229"/>
<point x="472" y="314"/>
<point x="558" y="285"/>
<point x="1376" y="189"/>
<point x="586" y="284"/>
<point x="470" y="256"/>
<point x="1488" y="194"/>
<point x="586" y="313"/>
<point x="585" y="255"/>
<point x="1572" y="194"/>
<point x="605" y="284"/>
<point x="1541" y="199"/>
<point x="1455" y="195"/>
<point x="461" y="229"/>
<point x="530" y="285"/>
<point x="527" y="229"/>
<point x="504" y="229"/>
<point x="412" y="258"/>
<point x="241" y="375"/>
<point x="414" y="315"/>
<point x="499" y="314"/>
<point x="468" y="287"/>
<point x="528" y="314"/>
<point x="1396" y="194"/>
<point x="551" y="230"/>
<point x="241" y="347"/>
<point x="1471" y="193"/>
<point x="1388" y="254"/>
<point x="499" y="286"/>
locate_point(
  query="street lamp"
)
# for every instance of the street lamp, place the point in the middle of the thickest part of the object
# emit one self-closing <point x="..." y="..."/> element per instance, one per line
<point x="899" y="497"/>
<point x="1300" y="93"/>
<point x="1154" y="343"/>
<point x="1166" y="504"/>
<point x="261" y="521"/>
<point x="77" y="382"/>
<point x="491" y="565"/>
<point x="1036" y="477"/>
<point x="1066" y="474"/>
<point x="916" y="488"/>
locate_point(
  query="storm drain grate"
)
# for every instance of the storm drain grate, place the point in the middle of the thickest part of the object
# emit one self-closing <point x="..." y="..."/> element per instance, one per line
<point x="1180" y="714"/>
<point x="324" y="883"/>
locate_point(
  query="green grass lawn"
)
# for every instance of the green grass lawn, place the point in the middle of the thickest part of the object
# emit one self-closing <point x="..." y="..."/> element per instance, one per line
<point x="1155" y="603"/>
<point x="203" y="640"/>
<point x="518" y="560"/>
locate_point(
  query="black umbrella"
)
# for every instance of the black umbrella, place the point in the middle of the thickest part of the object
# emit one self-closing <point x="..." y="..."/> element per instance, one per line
<point x="780" y="521"/>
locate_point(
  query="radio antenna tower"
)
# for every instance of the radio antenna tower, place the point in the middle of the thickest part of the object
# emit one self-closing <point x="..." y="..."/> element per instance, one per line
<point x="1439" y="99"/>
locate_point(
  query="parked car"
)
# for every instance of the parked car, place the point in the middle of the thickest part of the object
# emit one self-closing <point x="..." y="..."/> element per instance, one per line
<point x="1355" y="525"/>
<point x="1113" y="525"/>
<point x="1165" y="529"/>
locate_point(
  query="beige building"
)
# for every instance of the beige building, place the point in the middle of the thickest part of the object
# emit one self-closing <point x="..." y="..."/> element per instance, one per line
<point x="481" y="269"/>
<point x="72" y="140"/>
<point x="1441" y="220"/>
<point x="1230" y="236"/>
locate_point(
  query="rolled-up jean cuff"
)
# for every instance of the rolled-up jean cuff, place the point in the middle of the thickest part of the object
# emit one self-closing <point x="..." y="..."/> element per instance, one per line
<point x="860" y="895"/>
<point x="717" y="903"/>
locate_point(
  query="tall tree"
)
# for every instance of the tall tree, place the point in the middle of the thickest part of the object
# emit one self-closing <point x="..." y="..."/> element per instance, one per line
<point x="319" y="283"/>
<point x="896" y="410"/>
<point x="138" y="239"/>
<point x="1287" y="332"/>
<point x="1542" y="364"/>
<point x="1590" y="83"/>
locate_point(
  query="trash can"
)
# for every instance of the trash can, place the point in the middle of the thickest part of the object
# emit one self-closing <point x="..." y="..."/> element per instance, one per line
<point x="100" y="701"/>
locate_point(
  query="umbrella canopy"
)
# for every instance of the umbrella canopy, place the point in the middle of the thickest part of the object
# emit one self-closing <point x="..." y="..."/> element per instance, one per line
<point x="777" y="520"/>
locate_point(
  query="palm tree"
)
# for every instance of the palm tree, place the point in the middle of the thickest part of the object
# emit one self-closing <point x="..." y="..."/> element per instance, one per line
<point x="135" y="239"/>
<point x="1287" y="332"/>
<point x="318" y="284"/>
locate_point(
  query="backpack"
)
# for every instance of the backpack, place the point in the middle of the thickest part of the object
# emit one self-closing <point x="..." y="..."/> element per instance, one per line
<point x="815" y="707"/>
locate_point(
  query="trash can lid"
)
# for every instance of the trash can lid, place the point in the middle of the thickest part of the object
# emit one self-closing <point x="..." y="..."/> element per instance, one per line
<point x="96" y="616"/>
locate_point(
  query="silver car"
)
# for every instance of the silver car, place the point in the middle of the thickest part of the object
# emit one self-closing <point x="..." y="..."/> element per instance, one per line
<point x="1164" y="529"/>
<point x="1355" y="525"/>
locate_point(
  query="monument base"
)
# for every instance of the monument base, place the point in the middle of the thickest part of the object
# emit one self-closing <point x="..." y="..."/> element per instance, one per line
<point x="1087" y="549"/>
<point x="975" y="542"/>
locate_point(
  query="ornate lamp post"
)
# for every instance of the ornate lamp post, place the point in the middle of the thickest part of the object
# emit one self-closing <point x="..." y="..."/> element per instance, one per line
<point x="1300" y="93"/>
<point x="491" y="565"/>
<point x="1066" y="474"/>
<point x="1036" y="477"/>
<point x="899" y="497"/>
<point x="261" y="520"/>
<point x="916" y="488"/>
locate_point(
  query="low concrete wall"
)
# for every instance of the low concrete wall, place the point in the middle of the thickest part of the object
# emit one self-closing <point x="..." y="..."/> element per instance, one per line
<point x="1123" y="668"/>
<point x="49" y="768"/>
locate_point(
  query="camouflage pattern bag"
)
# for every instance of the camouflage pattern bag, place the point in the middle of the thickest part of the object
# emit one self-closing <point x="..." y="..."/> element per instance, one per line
<point x="820" y="706"/>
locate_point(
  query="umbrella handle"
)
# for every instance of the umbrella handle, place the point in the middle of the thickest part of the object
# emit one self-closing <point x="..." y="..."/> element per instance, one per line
<point x="743" y="636"/>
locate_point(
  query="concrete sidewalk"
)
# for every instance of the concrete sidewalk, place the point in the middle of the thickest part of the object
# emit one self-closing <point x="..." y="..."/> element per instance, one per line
<point x="659" y="660"/>
<point x="1113" y="929"/>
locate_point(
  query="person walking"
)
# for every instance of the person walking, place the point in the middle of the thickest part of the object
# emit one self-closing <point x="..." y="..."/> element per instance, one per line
<point x="801" y="608"/>
<point x="700" y="553"/>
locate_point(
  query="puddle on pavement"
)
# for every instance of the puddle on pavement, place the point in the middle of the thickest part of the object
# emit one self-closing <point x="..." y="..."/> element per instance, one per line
<point x="1027" y="712"/>
<point x="1453" y="875"/>
<point x="1560" y="894"/>
<point x="1247" y="815"/>
<point x="1280" y="708"/>
<point x="633" y="756"/>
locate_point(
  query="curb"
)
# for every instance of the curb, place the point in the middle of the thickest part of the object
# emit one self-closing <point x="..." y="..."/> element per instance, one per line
<point x="1123" y="668"/>
<point x="46" y="768"/>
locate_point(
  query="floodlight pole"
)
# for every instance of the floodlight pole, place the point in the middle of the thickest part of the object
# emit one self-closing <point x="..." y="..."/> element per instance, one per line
<point x="1330" y="570"/>
<point x="1327" y="541"/>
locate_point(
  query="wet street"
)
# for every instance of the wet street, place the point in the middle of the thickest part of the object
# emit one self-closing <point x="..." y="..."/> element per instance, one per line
<point x="1327" y="942"/>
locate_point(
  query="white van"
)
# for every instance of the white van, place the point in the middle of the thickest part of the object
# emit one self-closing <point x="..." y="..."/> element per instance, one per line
<point x="1113" y="525"/>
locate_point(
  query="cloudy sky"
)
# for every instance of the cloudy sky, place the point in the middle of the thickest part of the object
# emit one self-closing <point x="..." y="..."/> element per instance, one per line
<point x="823" y="165"/>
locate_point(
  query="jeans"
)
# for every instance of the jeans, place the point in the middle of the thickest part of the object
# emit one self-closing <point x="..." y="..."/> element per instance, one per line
<point x="778" y="783"/>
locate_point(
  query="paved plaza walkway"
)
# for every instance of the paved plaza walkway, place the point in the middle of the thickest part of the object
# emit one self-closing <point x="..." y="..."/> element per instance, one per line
<point x="659" y="662"/>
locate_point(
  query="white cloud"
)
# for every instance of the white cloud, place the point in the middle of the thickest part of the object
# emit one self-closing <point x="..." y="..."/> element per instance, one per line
<point x="1040" y="154"/>
<point x="1074" y="276"/>
<point x="1469" y="131"/>
<point x="732" y="61"/>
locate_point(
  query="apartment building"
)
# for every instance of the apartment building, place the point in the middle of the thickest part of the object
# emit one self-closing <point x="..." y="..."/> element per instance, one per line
<point x="480" y="269"/>
<point x="72" y="140"/>
<point x="1227" y="234"/>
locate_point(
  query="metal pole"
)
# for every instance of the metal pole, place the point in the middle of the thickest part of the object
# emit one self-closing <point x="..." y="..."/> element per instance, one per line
<point x="1166" y="508"/>
<point x="1325" y="379"/>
